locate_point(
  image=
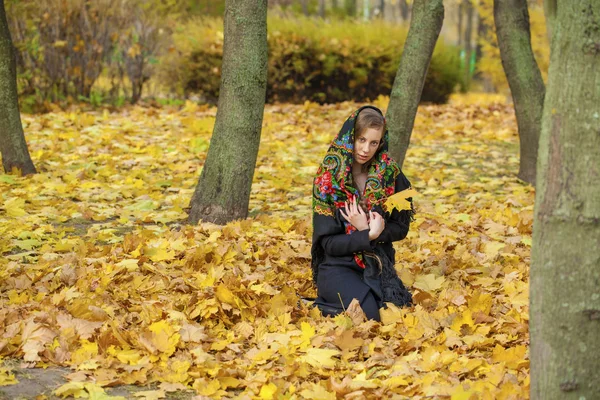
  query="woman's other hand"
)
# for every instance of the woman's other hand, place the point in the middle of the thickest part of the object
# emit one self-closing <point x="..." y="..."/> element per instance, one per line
<point x="376" y="225"/>
<point x="355" y="214"/>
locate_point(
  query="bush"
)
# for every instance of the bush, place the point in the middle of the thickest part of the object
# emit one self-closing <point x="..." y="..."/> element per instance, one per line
<point x="64" y="46"/>
<point x="310" y="59"/>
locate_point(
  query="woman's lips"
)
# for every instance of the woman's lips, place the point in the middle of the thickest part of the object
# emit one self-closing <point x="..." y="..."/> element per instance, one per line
<point x="362" y="157"/>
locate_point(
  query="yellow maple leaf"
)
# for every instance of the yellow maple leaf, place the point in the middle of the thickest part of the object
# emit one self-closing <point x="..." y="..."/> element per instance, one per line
<point x="513" y="357"/>
<point x="267" y="391"/>
<point x="320" y="357"/>
<point x="151" y="394"/>
<point x="399" y="201"/>
<point x="15" y="207"/>
<point x="317" y="392"/>
<point x="428" y="283"/>
<point x="85" y="390"/>
<point x="205" y="388"/>
<point x="6" y="378"/>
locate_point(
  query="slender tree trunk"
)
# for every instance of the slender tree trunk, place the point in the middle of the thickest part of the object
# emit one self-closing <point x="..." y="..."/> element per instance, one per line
<point x="12" y="139"/>
<point x="565" y="270"/>
<point x="382" y="9"/>
<point x="425" y="27"/>
<point x="461" y="8"/>
<point x="550" y="12"/>
<point x="468" y="41"/>
<point x="322" y="8"/>
<point x="404" y="9"/>
<point x="223" y="191"/>
<point x="524" y="78"/>
<point x="350" y="7"/>
<point x="304" y="7"/>
<point x="482" y="30"/>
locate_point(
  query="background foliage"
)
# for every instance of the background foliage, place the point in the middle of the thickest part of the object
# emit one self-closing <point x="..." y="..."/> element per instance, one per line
<point x="117" y="51"/>
<point x="310" y="59"/>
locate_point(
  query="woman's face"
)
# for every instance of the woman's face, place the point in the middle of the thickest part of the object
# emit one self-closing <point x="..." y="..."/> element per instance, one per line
<point x="366" y="145"/>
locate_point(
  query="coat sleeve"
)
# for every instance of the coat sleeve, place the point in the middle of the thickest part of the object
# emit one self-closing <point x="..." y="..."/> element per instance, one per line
<point x="346" y="245"/>
<point x="397" y="225"/>
<point x="330" y="234"/>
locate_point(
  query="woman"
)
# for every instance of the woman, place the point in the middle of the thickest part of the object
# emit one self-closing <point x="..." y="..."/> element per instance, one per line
<point x="352" y="252"/>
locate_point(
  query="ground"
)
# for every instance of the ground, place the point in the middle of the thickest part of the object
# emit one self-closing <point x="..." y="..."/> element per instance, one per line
<point x="102" y="278"/>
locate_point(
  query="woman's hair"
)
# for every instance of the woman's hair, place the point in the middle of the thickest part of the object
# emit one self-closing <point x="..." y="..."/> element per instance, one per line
<point x="368" y="118"/>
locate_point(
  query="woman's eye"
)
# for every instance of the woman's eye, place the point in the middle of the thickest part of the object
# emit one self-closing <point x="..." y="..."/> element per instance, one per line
<point x="374" y="143"/>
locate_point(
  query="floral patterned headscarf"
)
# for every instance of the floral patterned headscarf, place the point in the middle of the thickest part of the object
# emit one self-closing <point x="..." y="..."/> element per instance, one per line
<point x="333" y="183"/>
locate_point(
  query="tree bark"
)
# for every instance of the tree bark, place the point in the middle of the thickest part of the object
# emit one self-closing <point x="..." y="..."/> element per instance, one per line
<point x="350" y="6"/>
<point x="13" y="147"/>
<point x="425" y="27"/>
<point x="461" y="7"/>
<point x="404" y="9"/>
<point x="223" y="190"/>
<point x="565" y="270"/>
<point x="468" y="41"/>
<point x="524" y="78"/>
<point x="550" y="13"/>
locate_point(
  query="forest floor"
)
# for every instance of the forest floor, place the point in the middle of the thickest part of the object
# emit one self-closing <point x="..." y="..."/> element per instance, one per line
<point x="103" y="284"/>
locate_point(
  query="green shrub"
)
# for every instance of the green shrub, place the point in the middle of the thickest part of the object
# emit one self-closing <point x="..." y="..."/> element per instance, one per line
<point x="310" y="59"/>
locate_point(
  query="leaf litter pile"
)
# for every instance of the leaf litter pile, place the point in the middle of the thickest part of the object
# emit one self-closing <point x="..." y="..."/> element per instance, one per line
<point x="100" y="274"/>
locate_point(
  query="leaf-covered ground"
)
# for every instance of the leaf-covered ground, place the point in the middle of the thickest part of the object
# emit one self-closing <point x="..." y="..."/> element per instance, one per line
<point x="98" y="272"/>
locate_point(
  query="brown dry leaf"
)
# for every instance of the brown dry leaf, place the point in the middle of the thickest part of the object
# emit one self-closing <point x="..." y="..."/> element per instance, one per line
<point x="355" y="312"/>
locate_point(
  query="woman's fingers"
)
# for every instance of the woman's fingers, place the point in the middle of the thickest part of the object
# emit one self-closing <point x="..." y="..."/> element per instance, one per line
<point x="344" y="214"/>
<point x="360" y="210"/>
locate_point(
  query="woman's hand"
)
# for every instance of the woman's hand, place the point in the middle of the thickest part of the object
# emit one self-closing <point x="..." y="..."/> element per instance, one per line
<point x="355" y="214"/>
<point x="376" y="225"/>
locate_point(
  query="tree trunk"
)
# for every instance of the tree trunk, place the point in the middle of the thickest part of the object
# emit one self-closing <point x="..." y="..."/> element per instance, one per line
<point x="468" y="41"/>
<point x="550" y="12"/>
<point x="350" y="8"/>
<point x="12" y="139"/>
<point x="461" y="7"/>
<point x="565" y="270"/>
<point x="304" y="7"/>
<point x="425" y="27"/>
<point x="223" y="191"/>
<point x="524" y="78"/>
<point x="404" y="10"/>
<point x="322" y="8"/>
<point x="382" y="9"/>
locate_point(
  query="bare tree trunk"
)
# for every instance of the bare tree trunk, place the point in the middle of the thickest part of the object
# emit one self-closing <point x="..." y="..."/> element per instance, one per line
<point x="382" y="9"/>
<point x="223" y="190"/>
<point x="13" y="147"/>
<point x="304" y="7"/>
<point x="468" y="41"/>
<point x="550" y="12"/>
<point x="565" y="269"/>
<point x="322" y="8"/>
<point x="404" y="10"/>
<point x="425" y="26"/>
<point x="461" y="10"/>
<point x="350" y="7"/>
<point x="524" y="78"/>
